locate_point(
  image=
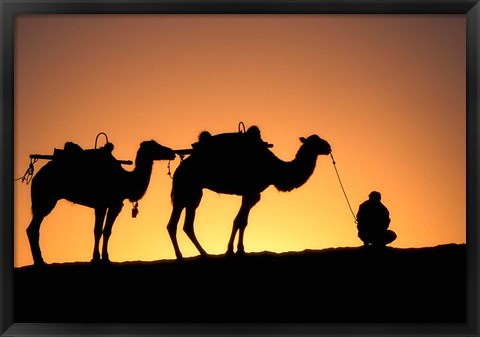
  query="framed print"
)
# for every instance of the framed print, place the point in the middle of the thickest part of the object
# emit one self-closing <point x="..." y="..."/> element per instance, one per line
<point x="220" y="168"/>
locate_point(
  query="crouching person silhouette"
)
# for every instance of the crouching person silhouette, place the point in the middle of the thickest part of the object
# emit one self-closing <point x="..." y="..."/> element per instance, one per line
<point x="373" y="220"/>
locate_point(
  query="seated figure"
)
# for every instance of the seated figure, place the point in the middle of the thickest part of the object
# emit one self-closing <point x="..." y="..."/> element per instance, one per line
<point x="373" y="220"/>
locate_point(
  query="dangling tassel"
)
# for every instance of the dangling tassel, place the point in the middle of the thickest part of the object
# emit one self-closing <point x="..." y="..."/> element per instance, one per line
<point x="135" y="209"/>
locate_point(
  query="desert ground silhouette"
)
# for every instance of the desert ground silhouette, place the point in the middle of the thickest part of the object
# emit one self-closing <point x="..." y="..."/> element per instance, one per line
<point x="337" y="285"/>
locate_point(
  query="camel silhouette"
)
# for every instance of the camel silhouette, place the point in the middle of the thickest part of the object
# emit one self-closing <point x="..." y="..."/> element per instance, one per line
<point x="237" y="164"/>
<point x="95" y="179"/>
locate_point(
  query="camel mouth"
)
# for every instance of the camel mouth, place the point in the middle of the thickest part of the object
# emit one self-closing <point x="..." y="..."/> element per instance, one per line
<point x="165" y="155"/>
<point x="326" y="150"/>
<point x="171" y="155"/>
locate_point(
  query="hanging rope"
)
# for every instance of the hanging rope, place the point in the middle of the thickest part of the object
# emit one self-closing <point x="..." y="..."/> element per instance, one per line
<point x="27" y="177"/>
<point x="169" y="173"/>
<point x="343" y="189"/>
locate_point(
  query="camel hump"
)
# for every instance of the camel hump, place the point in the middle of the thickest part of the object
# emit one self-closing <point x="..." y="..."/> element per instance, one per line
<point x="73" y="153"/>
<point x="71" y="147"/>
<point x="231" y="142"/>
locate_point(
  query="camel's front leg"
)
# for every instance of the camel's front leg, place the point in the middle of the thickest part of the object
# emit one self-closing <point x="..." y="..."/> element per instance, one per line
<point x="99" y="218"/>
<point x="112" y="214"/>
<point x="241" y="221"/>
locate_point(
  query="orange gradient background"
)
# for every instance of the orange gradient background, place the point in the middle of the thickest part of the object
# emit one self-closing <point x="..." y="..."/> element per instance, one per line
<point x="387" y="91"/>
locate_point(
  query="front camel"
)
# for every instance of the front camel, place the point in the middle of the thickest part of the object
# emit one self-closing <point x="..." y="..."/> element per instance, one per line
<point x="237" y="164"/>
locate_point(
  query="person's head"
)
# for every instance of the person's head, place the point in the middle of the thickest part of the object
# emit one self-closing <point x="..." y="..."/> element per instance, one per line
<point x="375" y="196"/>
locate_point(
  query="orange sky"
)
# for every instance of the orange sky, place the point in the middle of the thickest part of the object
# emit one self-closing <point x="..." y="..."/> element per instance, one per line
<point x="387" y="92"/>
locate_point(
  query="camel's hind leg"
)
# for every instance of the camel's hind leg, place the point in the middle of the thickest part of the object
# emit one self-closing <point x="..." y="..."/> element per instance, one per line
<point x="190" y="218"/>
<point x="172" y="228"/>
<point x="40" y="209"/>
<point x="33" y="233"/>
<point x="241" y="221"/>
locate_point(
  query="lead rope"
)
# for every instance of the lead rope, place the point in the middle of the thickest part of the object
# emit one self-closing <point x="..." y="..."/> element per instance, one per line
<point x="343" y="189"/>
<point x="169" y="173"/>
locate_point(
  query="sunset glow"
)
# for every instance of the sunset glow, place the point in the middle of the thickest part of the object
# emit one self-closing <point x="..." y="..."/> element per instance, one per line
<point x="386" y="91"/>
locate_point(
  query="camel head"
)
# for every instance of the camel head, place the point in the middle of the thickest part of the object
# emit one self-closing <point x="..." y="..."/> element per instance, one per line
<point x="316" y="144"/>
<point x="151" y="150"/>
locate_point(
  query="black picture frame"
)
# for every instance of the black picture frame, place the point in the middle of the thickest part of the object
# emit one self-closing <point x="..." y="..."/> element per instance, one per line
<point x="10" y="8"/>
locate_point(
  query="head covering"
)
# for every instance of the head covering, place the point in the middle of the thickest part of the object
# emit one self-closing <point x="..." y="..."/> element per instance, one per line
<point x="374" y="195"/>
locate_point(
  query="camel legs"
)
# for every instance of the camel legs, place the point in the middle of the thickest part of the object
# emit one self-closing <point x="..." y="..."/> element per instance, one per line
<point x="241" y="221"/>
<point x="98" y="230"/>
<point x="190" y="208"/>
<point x="190" y="218"/>
<point x="33" y="232"/>
<point x="107" y="231"/>
<point x="41" y="207"/>
<point x="172" y="228"/>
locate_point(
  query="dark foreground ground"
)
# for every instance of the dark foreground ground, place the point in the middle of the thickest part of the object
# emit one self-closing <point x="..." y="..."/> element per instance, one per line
<point x="342" y="285"/>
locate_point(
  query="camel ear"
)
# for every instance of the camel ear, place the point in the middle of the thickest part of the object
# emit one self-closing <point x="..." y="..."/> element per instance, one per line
<point x="303" y="140"/>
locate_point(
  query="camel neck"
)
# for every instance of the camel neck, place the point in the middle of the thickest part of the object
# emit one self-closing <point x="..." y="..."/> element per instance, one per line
<point x="295" y="173"/>
<point x="139" y="179"/>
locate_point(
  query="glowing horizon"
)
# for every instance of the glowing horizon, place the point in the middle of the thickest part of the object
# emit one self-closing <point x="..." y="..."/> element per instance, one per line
<point x="387" y="91"/>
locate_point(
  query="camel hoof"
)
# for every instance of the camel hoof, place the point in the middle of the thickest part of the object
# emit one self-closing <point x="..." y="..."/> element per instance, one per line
<point x="229" y="253"/>
<point x="106" y="262"/>
<point x="240" y="252"/>
<point x="100" y="263"/>
<point x="95" y="261"/>
<point x="39" y="264"/>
